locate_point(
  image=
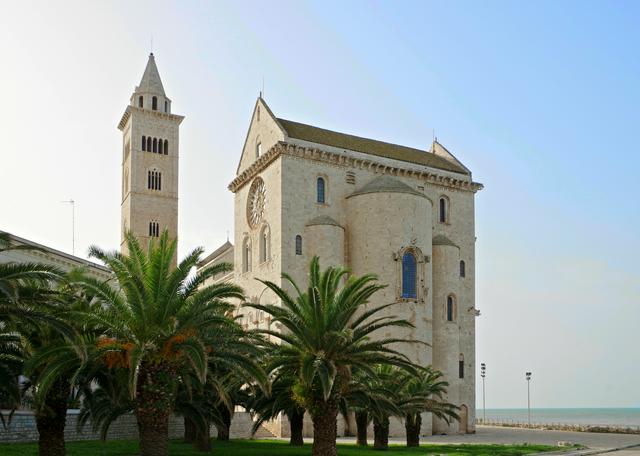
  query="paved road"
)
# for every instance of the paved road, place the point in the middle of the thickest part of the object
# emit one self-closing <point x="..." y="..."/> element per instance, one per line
<point x="491" y="434"/>
<point x="494" y="434"/>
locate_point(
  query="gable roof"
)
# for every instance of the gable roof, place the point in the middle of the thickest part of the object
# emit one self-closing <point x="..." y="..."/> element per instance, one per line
<point x="368" y="146"/>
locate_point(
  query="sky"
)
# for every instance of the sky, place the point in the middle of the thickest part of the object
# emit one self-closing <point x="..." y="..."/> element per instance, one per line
<point x="539" y="99"/>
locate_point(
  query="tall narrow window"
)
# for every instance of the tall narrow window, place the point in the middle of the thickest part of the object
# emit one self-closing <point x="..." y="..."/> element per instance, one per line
<point x="450" y="308"/>
<point x="461" y="366"/>
<point x="298" y="245"/>
<point x="160" y="144"/>
<point x="443" y="210"/>
<point x="409" y="276"/>
<point x="166" y="106"/>
<point x="155" y="145"/>
<point x="148" y="143"/>
<point x="166" y="147"/>
<point x="159" y="180"/>
<point x="320" y="190"/>
<point x="140" y="101"/>
<point x="144" y="143"/>
<point x="463" y="273"/>
<point x="154" y="229"/>
<point x="258" y="149"/>
<point x="149" y="183"/>
<point x="154" y="103"/>
<point x="264" y="245"/>
<point x="246" y="255"/>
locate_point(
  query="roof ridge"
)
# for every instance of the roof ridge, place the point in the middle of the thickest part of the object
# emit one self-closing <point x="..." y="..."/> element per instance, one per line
<point x="354" y="136"/>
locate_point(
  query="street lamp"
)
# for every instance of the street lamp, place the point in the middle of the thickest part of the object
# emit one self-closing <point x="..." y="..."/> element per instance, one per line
<point x="483" y="372"/>
<point x="528" y="376"/>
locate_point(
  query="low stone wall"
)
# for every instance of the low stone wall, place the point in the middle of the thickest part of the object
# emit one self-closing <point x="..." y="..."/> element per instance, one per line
<point x="22" y="428"/>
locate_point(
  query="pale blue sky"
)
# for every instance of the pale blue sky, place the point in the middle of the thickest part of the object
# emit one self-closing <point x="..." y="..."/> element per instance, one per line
<point x="539" y="99"/>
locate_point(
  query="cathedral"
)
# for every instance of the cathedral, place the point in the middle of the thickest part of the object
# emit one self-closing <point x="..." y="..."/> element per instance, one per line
<point x="404" y="214"/>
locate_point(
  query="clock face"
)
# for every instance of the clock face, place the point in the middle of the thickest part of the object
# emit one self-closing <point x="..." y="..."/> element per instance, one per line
<point x="255" y="202"/>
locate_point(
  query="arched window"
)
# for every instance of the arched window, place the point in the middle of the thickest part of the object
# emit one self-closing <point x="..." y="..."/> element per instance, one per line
<point x="140" y="101"/>
<point x="144" y="143"/>
<point x="409" y="276"/>
<point x="148" y="143"/>
<point x="320" y="190"/>
<point x="443" y="215"/>
<point x="463" y="273"/>
<point x="154" y="103"/>
<point x="258" y="149"/>
<point x="166" y="106"/>
<point x="298" y="245"/>
<point x="154" y="180"/>
<point x="166" y="147"/>
<point x="155" y="145"/>
<point x="265" y="247"/>
<point x="451" y="308"/>
<point x="246" y="255"/>
<point x="160" y="144"/>
<point x="461" y="366"/>
<point x="154" y="229"/>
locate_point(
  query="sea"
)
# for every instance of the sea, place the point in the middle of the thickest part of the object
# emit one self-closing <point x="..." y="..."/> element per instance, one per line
<point x="619" y="417"/>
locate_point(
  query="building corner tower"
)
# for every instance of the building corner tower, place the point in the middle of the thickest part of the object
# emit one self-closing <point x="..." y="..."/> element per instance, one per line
<point x="150" y="151"/>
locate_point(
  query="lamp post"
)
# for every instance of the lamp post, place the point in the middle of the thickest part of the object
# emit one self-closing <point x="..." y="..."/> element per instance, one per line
<point x="528" y="376"/>
<point x="483" y="372"/>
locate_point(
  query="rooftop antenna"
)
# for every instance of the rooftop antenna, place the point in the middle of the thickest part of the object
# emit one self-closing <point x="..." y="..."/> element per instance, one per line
<point x="73" y="224"/>
<point x="152" y="44"/>
<point x="262" y="93"/>
<point x="227" y="235"/>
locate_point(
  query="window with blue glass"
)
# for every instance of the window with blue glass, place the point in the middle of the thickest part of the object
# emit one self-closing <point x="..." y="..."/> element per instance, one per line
<point x="409" y="276"/>
<point x="320" y="190"/>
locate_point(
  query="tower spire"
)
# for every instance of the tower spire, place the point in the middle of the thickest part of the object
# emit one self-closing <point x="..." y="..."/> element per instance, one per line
<point x="151" y="84"/>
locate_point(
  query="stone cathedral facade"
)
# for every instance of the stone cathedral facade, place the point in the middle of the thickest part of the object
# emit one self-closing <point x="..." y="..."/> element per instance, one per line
<point x="404" y="214"/>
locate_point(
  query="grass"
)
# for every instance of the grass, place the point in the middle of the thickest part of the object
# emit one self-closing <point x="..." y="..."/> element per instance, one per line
<point x="274" y="448"/>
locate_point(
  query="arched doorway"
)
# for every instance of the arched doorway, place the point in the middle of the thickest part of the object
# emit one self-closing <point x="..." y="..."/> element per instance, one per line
<point x="464" y="417"/>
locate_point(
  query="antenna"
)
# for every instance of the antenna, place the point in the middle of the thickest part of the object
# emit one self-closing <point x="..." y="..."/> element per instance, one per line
<point x="262" y="86"/>
<point x="152" y="43"/>
<point x="227" y="235"/>
<point x="73" y="224"/>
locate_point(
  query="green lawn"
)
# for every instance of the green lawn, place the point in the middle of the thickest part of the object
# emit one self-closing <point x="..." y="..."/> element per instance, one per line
<point x="274" y="448"/>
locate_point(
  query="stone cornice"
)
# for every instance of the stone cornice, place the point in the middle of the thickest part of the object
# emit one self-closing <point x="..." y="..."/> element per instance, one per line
<point x="127" y="113"/>
<point x="342" y="159"/>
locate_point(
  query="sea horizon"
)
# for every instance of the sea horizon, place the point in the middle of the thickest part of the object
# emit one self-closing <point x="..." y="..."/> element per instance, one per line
<point x="605" y="416"/>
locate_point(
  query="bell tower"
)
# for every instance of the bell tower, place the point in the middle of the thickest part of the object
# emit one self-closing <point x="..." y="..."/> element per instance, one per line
<point x="150" y="151"/>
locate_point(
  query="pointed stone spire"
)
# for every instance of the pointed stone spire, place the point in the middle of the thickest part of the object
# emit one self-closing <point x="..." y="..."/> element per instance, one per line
<point x="151" y="82"/>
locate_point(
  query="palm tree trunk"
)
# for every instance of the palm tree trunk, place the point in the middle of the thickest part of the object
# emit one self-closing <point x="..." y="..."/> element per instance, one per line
<point x="203" y="439"/>
<point x="296" y="423"/>
<point x="381" y="433"/>
<point x="225" y="426"/>
<point x="325" y="429"/>
<point x="412" y="425"/>
<point x="362" y="420"/>
<point x="154" y="402"/>
<point x="51" y="419"/>
<point x="189" y="430"/>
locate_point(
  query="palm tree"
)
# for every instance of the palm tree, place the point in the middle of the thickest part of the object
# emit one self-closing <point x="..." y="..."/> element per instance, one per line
<point x="269" y="406"/>
<point x="157" y="320"/>
<point x="370" y="396"/>
<point x="54" y="365"/>
<point x="423" y="392"/>
<point x="24" y="304"/>
<point x="327" y="332"/>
